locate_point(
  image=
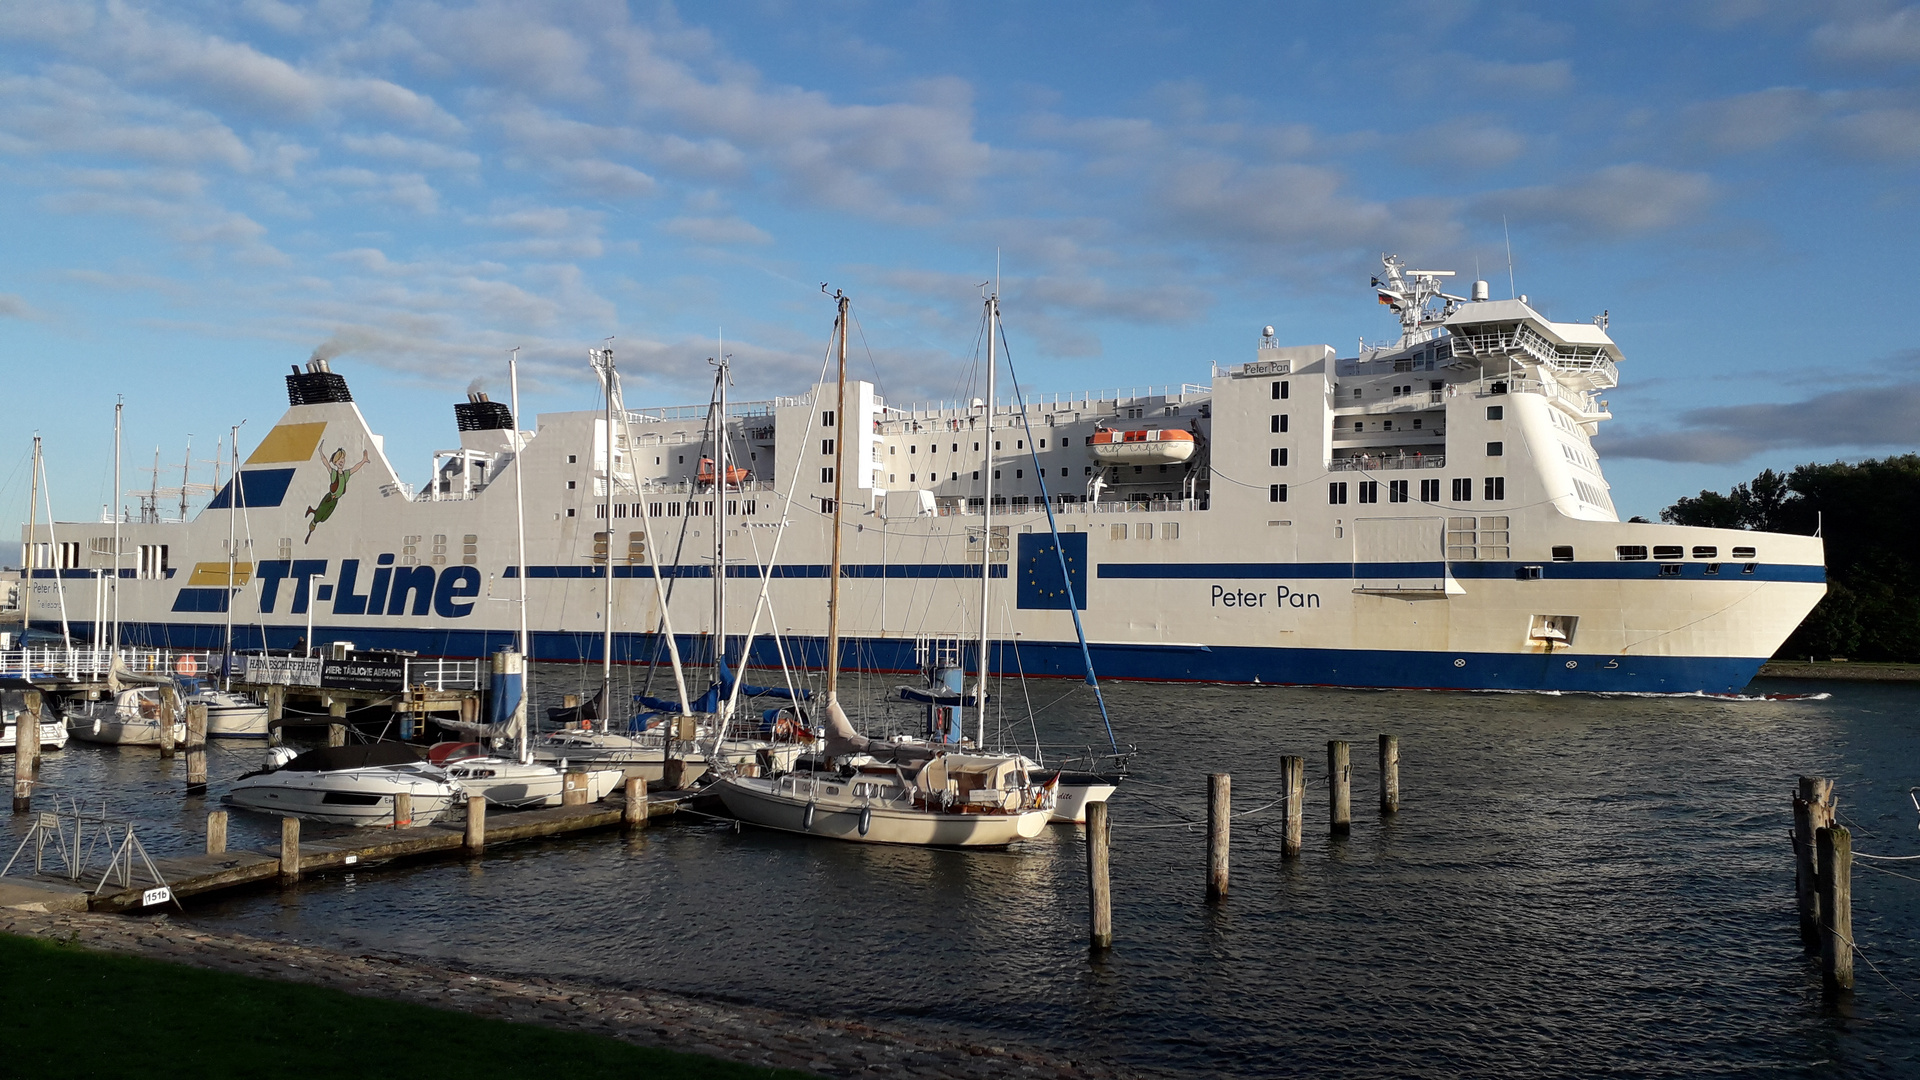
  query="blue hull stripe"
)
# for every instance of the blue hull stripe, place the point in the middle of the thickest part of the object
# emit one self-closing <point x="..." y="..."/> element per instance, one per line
<point x="1564" y="671"/>
<point x="1595" y="571"/>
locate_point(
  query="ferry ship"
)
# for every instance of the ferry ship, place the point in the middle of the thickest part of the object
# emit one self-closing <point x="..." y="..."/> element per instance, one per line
<point x="1428" y="513"/>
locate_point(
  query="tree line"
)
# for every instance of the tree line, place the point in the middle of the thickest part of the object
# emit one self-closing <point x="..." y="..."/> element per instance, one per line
<point x="1869" y="515"/>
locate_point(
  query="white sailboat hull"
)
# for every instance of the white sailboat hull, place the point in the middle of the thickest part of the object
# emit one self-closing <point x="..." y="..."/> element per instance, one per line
<point x="810" y="810"/>
<point x="53" y="736"/>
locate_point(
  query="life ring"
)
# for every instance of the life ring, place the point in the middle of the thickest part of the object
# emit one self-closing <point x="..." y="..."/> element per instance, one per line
<point x="187" y="665"/>
<point x="586" y="725"/>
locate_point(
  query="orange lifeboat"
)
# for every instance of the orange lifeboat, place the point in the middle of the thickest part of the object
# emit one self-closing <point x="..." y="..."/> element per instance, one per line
<point x="1155" y="446"/>
<point x="735" y="474"/>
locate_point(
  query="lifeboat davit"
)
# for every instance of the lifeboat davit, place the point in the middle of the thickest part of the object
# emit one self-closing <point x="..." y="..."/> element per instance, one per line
<point x="1150" y="447"/>
<point x="735" y="474"/>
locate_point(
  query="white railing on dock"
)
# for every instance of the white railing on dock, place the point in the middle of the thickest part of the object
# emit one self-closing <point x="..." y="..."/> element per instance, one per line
<point x="444" y="674"/>
<point x="54" y="664"/>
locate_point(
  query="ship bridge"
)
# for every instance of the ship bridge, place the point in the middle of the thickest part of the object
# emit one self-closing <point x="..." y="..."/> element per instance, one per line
<point x="1581" y="355"/>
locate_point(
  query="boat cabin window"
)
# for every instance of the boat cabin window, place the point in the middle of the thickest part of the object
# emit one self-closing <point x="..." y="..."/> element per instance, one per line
<point x="1117" y="532"/>
<point x="1496" y="412"/>
<point x="1631" y="552"/>
<point x="1669" y="551"/>
<point x="573" y="459"/>
<point x="1706" y="552"/>
<point x="1495" y="449"/>
<point x="1563" y="553"/>
<point x="1740" y="553"/>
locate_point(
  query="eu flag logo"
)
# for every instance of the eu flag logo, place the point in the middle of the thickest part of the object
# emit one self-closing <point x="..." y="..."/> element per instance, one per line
<point x="1042" y="586"/>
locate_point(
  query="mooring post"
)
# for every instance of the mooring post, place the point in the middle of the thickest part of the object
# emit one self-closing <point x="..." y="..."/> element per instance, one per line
<point x="673" y="772"/>
<point x="573" y="789"/>
<point x="635" y="814"/>
<point x="169" y="715"/>
<point x="1389" y="775"/>
<point x="216" y="832"/>
<point x="1340" y="787"/>
<point x="1293" y="794"/>
<point x="26" y="748"/>
<point x="476" y="824"/>
<point x="1835" y="845"/>
<point x="402" y="809"/>
<point x="276" y="707"/>
<point x="1219" y="824"/>
<point x="1099" y="889"/>
<point x="1812" y="811"/>
<point x="289" y="850"/>
<point x="337" y="730"/>
<point x="197" y="749"/>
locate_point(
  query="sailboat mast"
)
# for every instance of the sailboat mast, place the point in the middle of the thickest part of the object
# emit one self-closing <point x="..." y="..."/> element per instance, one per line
<point x="606" y="629"/>
<point x="59" y="580"/>
<point x="839" y="485"/>
<point x="986" y="528"/>
<point x="520" y="561"/>
<point x="113" y="635"/>
<point x="233" y="554"/>
<point x="720" y="528"/>
<point x="186" y="469"/>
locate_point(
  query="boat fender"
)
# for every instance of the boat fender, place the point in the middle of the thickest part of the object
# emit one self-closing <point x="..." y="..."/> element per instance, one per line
<point x="866" y="819"/>
<point x="806" y="820"/>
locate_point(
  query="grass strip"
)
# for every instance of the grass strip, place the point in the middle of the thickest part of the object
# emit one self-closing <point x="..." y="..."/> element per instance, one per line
<point x="69" y="1011"/>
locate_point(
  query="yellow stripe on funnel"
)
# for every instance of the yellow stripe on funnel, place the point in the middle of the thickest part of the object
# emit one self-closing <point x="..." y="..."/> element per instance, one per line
<point x="287" y="442"/>
<point x="215" y="573"/>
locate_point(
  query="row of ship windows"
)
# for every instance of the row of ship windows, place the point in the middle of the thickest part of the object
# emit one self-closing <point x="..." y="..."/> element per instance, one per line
<point x="690" y="508"/>
<point x="1493" y="489"/>
<point x="1670" y="552"/>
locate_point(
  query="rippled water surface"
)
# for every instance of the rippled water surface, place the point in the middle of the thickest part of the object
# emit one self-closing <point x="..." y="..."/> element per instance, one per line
<point x="1574" y="886"/>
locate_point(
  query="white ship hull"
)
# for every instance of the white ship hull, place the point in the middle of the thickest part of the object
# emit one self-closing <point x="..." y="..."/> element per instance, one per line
<point x="1446" y="528"/>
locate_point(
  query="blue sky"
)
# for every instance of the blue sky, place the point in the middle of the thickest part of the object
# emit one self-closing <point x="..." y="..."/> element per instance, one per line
<point x="198" y="195"/>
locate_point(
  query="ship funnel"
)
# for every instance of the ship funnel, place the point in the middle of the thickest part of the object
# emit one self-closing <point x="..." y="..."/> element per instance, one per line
<point x="1479" y="291"/>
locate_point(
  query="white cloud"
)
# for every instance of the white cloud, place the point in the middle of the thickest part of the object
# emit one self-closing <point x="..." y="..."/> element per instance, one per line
<point x="607" y="178"/>
<point x="717" y="230"/>
<point x="15" y="307"/>
<point x="1892" y="38"/>
<point x="1889" y="134"/>
<point x="417" y="152"/>
<point x="1613" y="201"/>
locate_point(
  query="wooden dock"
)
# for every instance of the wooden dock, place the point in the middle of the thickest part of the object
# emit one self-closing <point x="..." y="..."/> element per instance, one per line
<point x="198" y="875"/>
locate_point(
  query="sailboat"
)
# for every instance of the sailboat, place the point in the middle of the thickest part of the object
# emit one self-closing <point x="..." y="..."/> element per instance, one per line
<point x="893" y="793"/>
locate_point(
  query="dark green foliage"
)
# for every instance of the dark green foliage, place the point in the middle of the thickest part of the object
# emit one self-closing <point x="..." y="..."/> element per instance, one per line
<point x="1869" y="514"/>
<point x="73" y="1012"/>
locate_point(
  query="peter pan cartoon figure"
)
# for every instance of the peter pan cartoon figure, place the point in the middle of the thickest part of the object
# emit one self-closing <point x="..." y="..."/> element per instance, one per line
<point x="336" y="487"/>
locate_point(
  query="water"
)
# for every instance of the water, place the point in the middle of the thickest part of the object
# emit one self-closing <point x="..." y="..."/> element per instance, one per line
<point x="1575" y="886"/>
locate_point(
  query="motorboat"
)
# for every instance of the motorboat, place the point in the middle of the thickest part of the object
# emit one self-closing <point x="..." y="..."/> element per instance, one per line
<point x="507" y="782"/>
<point x="53" y="733"/>
<point x="130" y="718"/>
<point x="231" y="715"/>
<point x="350" y="785"/>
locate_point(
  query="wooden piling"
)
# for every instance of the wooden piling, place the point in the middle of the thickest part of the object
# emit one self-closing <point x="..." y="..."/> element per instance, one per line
<point x="1219" y="827"/>
<point x="402" y="809"/>
<point x="1389" y="775"/>
<point x="337" y="731"/>
<point x="26" y="751"/>
<point x="635" y="814"/>
<point x="196" y="749"/>
<point x="1099" y="889"/>
<point x="673" y="772"/>
<point x="276" y="708"/>
<point x="1835" y="852"/>
<point x="217" y="832"/>
<point x="1293" y="793"/>
<point x="289" y="850"/>
<point x="1812" y="811"/>
<point x="169" y="714"/>
<point x="476" y="824"/>
<point x="1339" y="787"/>
<point x="573" y="789"/>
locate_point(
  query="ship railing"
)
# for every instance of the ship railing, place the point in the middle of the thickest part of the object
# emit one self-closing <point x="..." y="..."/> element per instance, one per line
<point x="51" y="663"/>
<point x="1387" y="462"/>
<point x="1107" y="505"/>
<point x="663" y="414"/>
<point x="440" y="674"/>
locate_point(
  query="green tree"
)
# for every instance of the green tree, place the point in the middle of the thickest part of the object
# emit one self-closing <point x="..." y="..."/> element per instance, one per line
<point x="1869" y="515"/>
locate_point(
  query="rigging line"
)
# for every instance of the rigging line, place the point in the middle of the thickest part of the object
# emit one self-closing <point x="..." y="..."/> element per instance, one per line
<point x="1059" y="550"/>
<point x="1885" y="858"/>
<point x="862" y="331"/>
<point x="1889" y="873"/>
<point x="1856" y="947"/>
